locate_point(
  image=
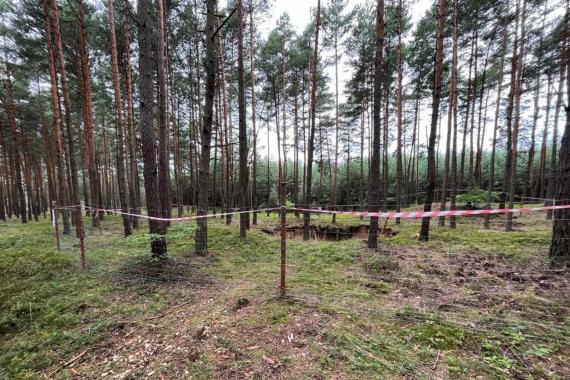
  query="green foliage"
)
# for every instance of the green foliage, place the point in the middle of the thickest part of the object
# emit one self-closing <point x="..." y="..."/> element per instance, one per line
<point x="440" y="336"/>
<point x="50" y="309"/>
<point x="476" y="197"/>
<point x="381" y="264"/>
<point x="540" y="351"/>
<point x="515" y="334"/>
<point x="500" y="363"/>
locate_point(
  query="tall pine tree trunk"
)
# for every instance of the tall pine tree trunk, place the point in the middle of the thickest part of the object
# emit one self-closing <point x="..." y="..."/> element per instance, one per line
<point x="312" y="127"/>
<point x="16" y="157"/>
<point x="74" y="182"/>
<point x="163" y="161"/>
<point x="399" y="173"/>
<point x="61" y="192"/>
<point x="243" y="168"/>
<point x="451" y="111"/>
<point x="134" y="190"/>
<point x="539" y="186"/>
<point x="551" y="184"/>
<point x="516" y="124"/>
<point x="206" y="132"/>
<point x="560" y="245"/>
<point x="121" y="176"/>
<point x="529" y="175"/>
<point x="491" y="179"/>
<point x="253" y="115"/>
<point x="480" y="125"/>
<point x="337" y="127"/>
<point x="467" y="113"/>
<point x="148" y="136"/>
<point x="432" y="175"/>
<point x="88" y="118"/>
<point x="374" y="174"/>
<point x="509" y="114"/>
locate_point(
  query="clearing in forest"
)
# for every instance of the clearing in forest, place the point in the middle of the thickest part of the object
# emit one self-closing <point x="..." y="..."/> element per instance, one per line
<point x="469" y="303"/>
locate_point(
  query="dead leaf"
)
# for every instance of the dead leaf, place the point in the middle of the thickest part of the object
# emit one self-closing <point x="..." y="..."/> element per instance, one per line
<point x="268" y="360"/>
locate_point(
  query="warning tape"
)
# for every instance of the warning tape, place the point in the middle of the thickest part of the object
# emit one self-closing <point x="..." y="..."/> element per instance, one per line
<point x="391" y="214"/>
<point x="432" y="214"/>
<point x="162" y="219"/>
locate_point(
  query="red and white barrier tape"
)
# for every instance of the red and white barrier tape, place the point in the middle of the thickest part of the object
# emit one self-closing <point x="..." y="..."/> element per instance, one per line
<point x="391" y="214"/>
<point x="431" y="214"/>
<point x="161" y="219"/>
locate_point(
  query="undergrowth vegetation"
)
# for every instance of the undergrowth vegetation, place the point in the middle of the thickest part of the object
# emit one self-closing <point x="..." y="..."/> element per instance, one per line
<point x="470" y="302"/>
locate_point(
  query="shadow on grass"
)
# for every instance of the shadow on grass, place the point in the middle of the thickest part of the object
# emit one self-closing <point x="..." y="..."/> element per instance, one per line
<point x="147" y="273"/>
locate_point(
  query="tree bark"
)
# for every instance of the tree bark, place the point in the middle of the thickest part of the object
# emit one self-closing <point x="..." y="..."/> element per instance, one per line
<point x="509" y="114"/>
<point x="480" y="129"/>
<point x="163" y="161"/>
<point x="74" y="188"/>
<point x="467" y="113"/>
<point x="243" y="167"/>
<point x="451" y="111"/>
<point x="206" y="135"/>
<point x="432" y="175"/>
<point x="491" y="179"/>
<point x="61" y="193"/>
<point x="312" y="127"/>
<point x="253" y="115"/>
<point x="551" y="184"/>
<point x="374" y="174"/>
<point x="337" y="127"/>
<point x="516" y="124"/>
<point x="134" y="188"/>
<point x="399" y="173"/>
<point x="121" y="178"/>
<point x="16" y="157"/>
<point x="539" y="186"/>
<point x="560" y="245"/>
<point x="88" y="118"/>
<point x="148" y="136"/>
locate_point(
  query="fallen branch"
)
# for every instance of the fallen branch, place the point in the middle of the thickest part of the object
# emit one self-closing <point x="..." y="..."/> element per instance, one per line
<point x="436" y="361"/>
<point x="67" y="363"/>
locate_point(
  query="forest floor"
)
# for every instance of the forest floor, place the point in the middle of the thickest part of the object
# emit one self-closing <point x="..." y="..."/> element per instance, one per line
<point x="470" y="303"/>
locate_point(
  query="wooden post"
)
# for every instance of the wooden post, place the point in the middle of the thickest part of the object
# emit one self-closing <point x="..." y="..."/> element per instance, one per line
<point x="383" y="230"/>
<point x="55" y="224"/>
<point x="283" y="212"/>
<point x="81" y="235"/>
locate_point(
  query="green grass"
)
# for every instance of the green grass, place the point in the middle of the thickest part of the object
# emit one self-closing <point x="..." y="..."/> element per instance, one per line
<point x="50" y="309"/>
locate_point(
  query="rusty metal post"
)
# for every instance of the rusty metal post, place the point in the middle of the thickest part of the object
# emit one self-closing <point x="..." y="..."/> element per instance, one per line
<point x="55" y="224"/>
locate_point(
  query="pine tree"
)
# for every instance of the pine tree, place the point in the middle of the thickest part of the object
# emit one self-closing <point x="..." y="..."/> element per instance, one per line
<point x="312" y="127"/>
<point x="243" y="166"/>
<point x="560" y="245"/>
<point x="374" y="174"/>
<point x="206" y="130"/>
<point x="87" y="103"/>
<point x="430" y="188"/>
<point x="61" y="193"/>
<point x="121" y="176"/>
<point x="148" y="137"/>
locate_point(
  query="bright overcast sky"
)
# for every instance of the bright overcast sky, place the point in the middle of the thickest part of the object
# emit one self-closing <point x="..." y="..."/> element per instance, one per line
<point x="300" y="10"/>
<point x="300" y="14"/>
